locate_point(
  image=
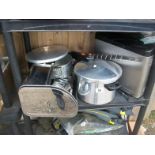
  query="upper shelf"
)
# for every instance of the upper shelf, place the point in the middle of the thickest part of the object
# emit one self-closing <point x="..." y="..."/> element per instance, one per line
<point x="78" y="25"/>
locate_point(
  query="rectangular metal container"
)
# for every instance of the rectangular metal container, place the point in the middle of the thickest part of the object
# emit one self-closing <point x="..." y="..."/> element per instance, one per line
<point x="135" y="73"/>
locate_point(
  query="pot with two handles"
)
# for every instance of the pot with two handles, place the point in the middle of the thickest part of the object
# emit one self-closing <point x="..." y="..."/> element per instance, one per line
<point x="97" y="81"/>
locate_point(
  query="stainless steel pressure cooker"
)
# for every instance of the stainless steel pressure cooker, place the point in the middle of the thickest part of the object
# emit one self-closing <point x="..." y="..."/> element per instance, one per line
<point x="97" y="81"/>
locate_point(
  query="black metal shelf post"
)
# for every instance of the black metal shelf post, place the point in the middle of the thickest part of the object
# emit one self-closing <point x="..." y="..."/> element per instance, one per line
<point x="7" y="103"/>
<point x="15" y="68"/>
<point x="9" y="26"/>
<point x="27" y="41"/>
<point x="3" y="90"/>
<point x="147" y="95"/>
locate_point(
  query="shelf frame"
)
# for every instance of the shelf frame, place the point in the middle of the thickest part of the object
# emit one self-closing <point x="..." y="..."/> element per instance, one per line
<point x="79" y="25"/>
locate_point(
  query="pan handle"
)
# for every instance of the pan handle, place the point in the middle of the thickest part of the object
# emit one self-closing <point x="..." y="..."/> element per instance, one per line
<point x="113" y="86"/>
<point x="59" y="98"/>
<point x="48" y="79"/>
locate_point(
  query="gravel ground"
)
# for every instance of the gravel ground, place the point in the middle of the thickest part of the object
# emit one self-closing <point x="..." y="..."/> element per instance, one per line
<point x="149" y="124"/>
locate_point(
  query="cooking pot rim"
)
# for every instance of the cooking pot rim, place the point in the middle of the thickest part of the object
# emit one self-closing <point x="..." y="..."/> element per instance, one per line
<point x="109" y="80"/>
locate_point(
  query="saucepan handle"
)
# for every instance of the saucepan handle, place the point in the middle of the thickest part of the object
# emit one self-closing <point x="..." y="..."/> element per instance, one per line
<point x="113" y="86"/>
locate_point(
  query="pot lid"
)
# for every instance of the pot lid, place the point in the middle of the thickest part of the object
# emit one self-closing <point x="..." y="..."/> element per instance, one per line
<point x="47" y="54"/>
<point x="98" y="70"/>
<point x="41" y="101"/>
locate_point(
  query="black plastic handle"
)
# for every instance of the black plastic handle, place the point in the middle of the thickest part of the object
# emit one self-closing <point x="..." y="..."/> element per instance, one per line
<point x="59" y="98"/>
<point x="113" y="86"/>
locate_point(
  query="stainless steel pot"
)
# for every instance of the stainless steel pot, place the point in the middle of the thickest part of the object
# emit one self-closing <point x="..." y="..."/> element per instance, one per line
<point x="97" y="81"/>
<point x="63" y="68"/>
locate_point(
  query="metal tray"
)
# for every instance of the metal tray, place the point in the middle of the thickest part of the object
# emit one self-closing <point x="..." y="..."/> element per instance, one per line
<point x="40" y="101"/>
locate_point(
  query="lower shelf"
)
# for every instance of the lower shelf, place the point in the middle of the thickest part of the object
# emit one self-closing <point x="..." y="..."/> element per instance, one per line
<point x="121" y="100"/>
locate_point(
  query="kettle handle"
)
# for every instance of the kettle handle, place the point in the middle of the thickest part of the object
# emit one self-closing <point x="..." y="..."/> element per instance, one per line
<point x="113" y="86"/>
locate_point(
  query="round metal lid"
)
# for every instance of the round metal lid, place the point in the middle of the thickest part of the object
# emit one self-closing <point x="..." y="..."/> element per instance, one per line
<point x="47" y="54"/>
<point x="98" y="70"/>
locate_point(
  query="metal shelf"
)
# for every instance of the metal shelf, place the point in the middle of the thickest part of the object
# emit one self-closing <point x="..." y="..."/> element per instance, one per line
<point x="119" y="101"/>
<point x="8" y="26"/>
<point x="78" y="25"/>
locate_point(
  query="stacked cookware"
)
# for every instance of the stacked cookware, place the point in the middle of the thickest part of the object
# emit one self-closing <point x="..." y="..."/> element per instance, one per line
<point x="59" y="79"/>
<point x="53" y="96"/>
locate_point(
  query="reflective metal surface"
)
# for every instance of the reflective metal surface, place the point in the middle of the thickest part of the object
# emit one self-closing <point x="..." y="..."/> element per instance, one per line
<point x="47" y="54"/>
<point x="63" y="67"/>
<point x="98" y="70"/>
<point x="63" y="83"/>
<point x="41" y="101"/>
<point x="139" y="70"/>
<point x="92" y="78"/>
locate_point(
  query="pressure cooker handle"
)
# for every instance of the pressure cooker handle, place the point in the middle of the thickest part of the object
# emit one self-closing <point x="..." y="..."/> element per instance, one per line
<point x="59" y="98"/>
<point x="113" y="86"/>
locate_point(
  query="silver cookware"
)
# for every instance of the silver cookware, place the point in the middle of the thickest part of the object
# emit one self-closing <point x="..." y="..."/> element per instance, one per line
<point x="63" y="67"/>
<point x="55" y="57"/>
<point x="97" y="81"/>
<point x="47" y="101"/>
<point x="63" y="84"/>
<point x="47" y="54"/>
<point x="137" y="64"/>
